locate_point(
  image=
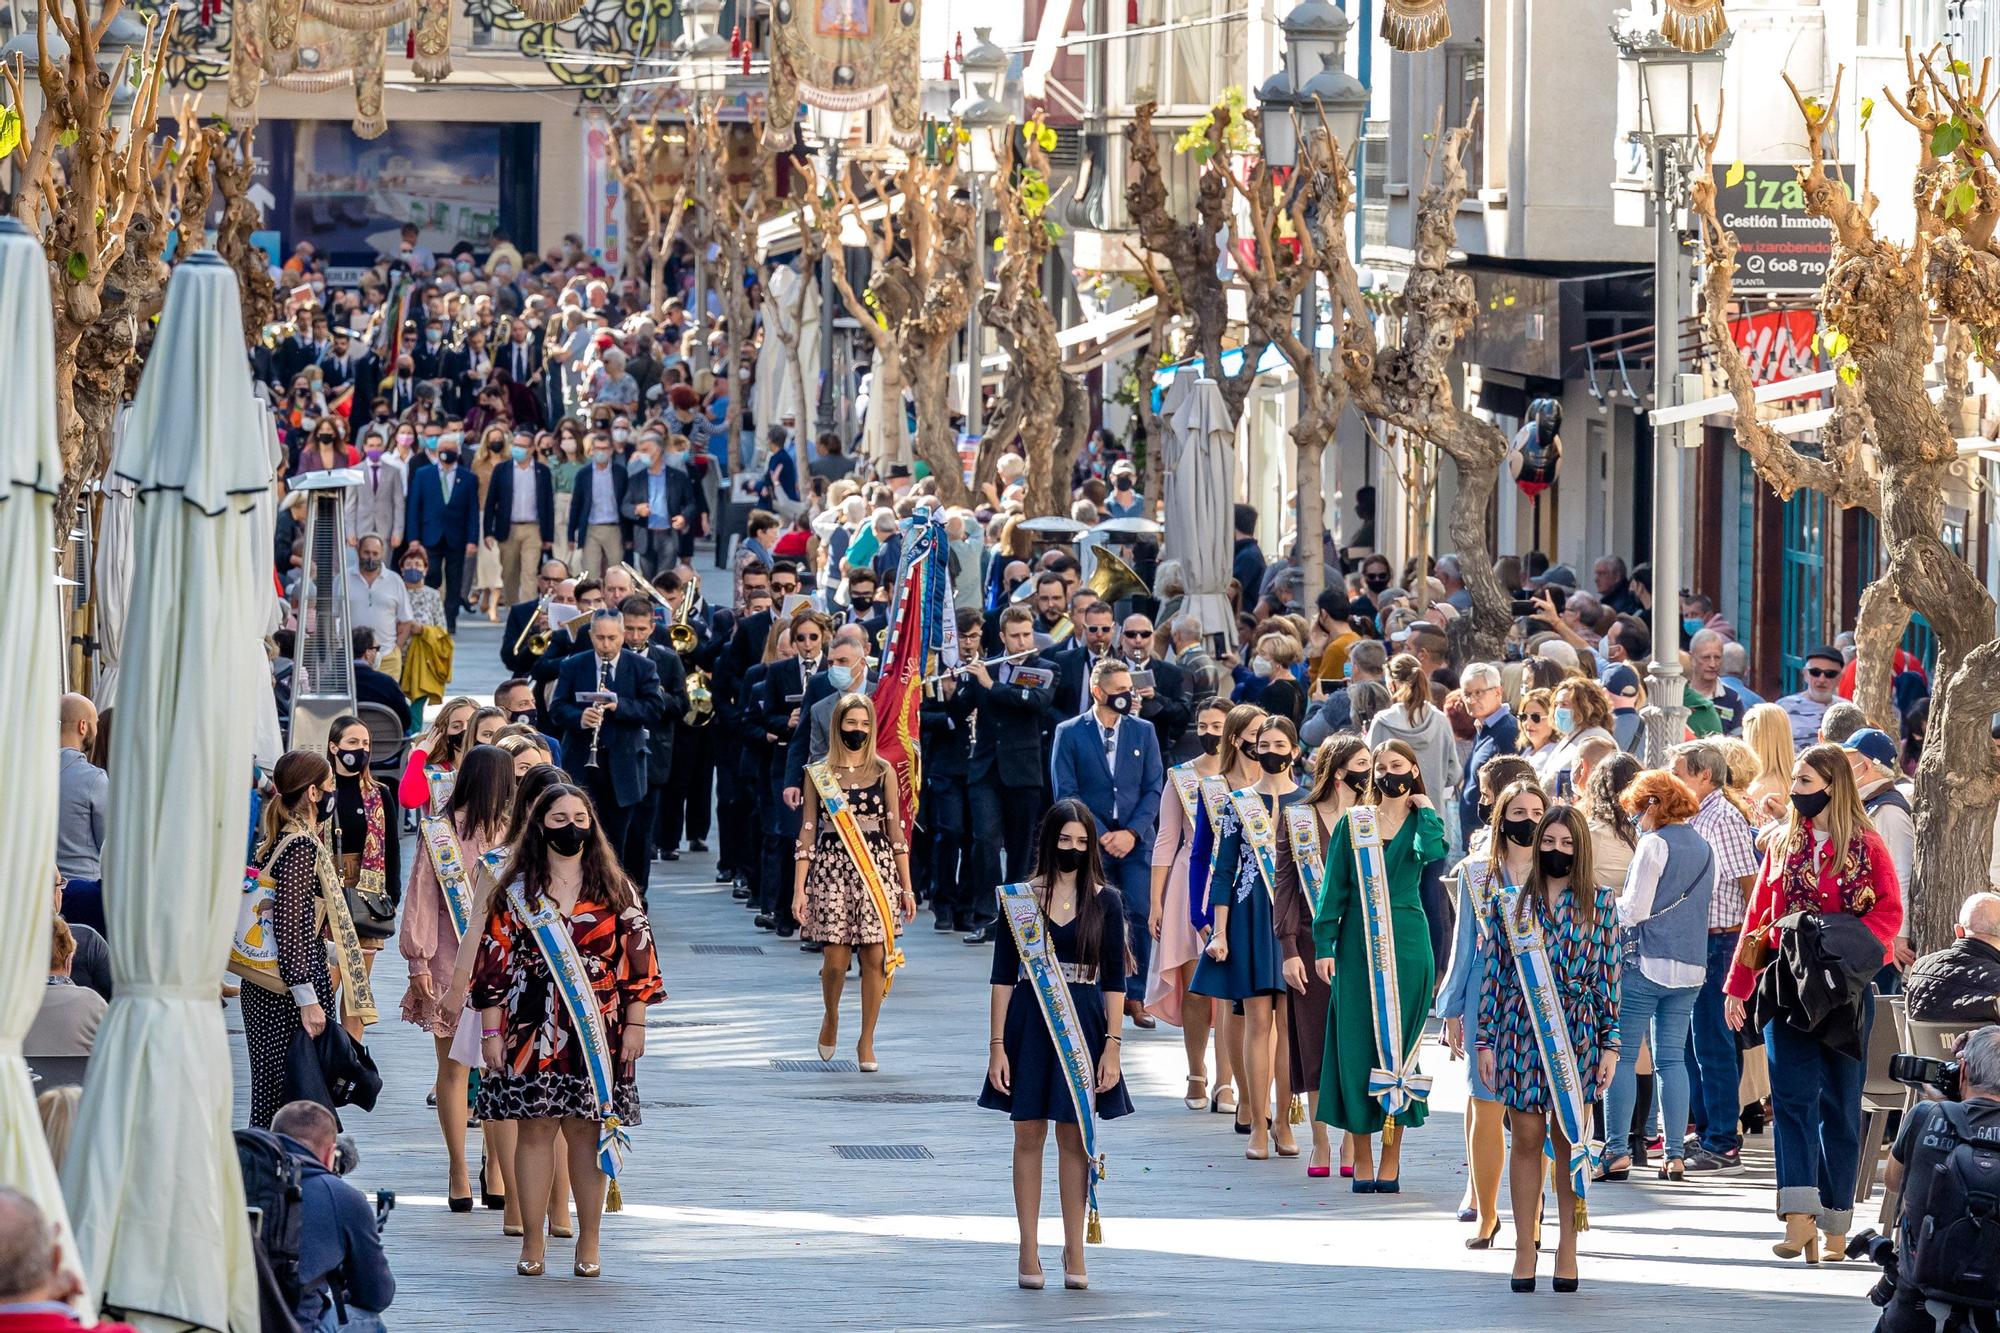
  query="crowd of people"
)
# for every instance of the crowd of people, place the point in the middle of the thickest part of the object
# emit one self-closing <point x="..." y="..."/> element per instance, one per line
<point x="1305" y="837"/>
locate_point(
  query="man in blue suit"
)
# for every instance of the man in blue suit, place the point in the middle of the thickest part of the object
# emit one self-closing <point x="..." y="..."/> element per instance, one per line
<point x="444" y="516"/>
<point x="1110" y="760"/>
<point x="521" y="519"/>
<point x="618" y="782"/>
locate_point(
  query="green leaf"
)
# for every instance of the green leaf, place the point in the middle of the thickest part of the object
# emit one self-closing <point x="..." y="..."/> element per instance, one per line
<point x="1947" y="137"/>
<point x="67" y="137"/>
<point x="10" y="130"/>
<point x="1959" y="67"/>
<point x="1849" y="374"/>
<point x="1867" y="110"/>
<point x="1734" y="176"/>
<point x="173" y="156"/>
<point x="76" y="266"/>
<point x="999" y="244"/>
<point x="1963" y="199"/>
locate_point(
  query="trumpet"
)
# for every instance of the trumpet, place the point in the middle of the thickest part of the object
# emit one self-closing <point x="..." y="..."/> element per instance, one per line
<point x="537" y="642"/>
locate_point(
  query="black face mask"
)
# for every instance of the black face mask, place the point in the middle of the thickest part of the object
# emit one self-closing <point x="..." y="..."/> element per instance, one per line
<point x="526" y="716"/>
<point x="1069" y="860"/>
<point x="1810" y="804"/>
<point x="854" y="739"/>
<point x="1211" y="743"/>
<point x="327" y="804"/>
<point x="1249" y="750"/>
<point x="1274" y="763"/>
<point x="1120" y="702"/>
<point x="1520" y="832"/>
<point x="1484" y="813"/>
<point x="1356" y="780"/>
<point x="566" y="840"/>
<point x="1555" y="864"/>
<point x="1395" y="784"/>
<point x="447" y="456"/>
<point x="1375" y="582"/>
<point x="350" y="762"/>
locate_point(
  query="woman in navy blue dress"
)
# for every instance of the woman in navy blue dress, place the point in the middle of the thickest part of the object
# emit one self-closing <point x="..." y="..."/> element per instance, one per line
<point x="1085" y="921"/>
<point x="1245" y="962"/>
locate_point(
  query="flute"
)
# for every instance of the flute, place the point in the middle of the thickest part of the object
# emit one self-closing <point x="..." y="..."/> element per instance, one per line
<point x="963" y="667"/>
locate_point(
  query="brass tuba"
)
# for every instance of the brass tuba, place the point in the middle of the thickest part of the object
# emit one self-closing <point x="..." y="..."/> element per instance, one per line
<point x="1112" y="579"/>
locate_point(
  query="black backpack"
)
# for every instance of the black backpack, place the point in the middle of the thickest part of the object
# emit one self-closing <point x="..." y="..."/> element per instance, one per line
<point x="272" y="1183"/>
<point x="1956" y="1243"/>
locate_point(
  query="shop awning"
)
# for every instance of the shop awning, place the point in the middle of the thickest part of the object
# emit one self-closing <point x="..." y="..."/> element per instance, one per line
<point x="781" y="234"/>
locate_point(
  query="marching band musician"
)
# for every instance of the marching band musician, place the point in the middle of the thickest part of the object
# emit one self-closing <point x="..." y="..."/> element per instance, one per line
<point x="946" y="860"/>
<point x="637" y="854"/>
<point x="1007" y="770"/>
<point x="604" y="743"/>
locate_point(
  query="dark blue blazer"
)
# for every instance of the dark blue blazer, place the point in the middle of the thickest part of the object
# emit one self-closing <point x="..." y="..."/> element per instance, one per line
<point x="580" y="498"/>
<point x="500" y="502"/>
<point x="1127" y="798"/>
<point x="623" y="746"/>
<point x="1496" y="736"/>
<point x="438" y="524"/>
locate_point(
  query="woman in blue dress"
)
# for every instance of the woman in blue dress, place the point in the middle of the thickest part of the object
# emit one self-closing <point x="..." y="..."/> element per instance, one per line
<point x="1500" y="857"/>
<point x="1245" y="963"/>
<point x="1085" y="922"/>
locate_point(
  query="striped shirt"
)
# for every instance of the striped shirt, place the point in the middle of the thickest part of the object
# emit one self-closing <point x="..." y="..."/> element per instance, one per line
<point x="1733" y="841"/>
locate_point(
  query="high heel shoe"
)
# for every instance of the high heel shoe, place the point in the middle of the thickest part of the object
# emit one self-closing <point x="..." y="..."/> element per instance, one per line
<point x="458" y="1204"/>
<point x="526" y="1269"/>
<point x="1347" y="1173"/>
<point x="493" y="1201"/>
<point x="1394" y="1186"/>
<point x="506" y="1230"/>
<point x="1194" y="1101"/>
<point x="562" y="1233"/>
<point x="1215" y="1106"/>
<point x="1242" y="1125"/>
<point x="1282" y="1151"/>
<point x="1832" y="1247"/>
<point x="1563" y="1283"/>
<point x="1615" y="1173"/>
<point x="1801" y="1237"/>
<point x="825" y="1050"/>
<point x="1029" y="1281"/>
<point x="1364" y="1186"/>
<point x="1076" y="1281"/>
<point x="588" y="1270"/>
<point x="1484" y="1242"/>
<point x="1521" y="1284"/>
<point x="1673" y="1169"/>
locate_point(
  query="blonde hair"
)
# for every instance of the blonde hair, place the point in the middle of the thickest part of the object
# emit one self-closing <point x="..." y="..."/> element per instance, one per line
<point x="57" y="1108"/>
<point x="1844" y="818"/>
<point x="849" y="703"/>
<point x="1282" y="649"/>
<point x="1768" y="731"/>
<point x="1409" y="685"/>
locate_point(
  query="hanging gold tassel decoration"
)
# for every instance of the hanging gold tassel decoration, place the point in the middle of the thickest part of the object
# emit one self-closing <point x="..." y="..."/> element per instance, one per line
<point x="614" y="1198"/>
<point x="1094" y="1233"/>
<point x="549" y="11"/>
<point x="1295" y="1113"/>
<point x="1416" y="25"/>
<point x="1692" y="25"/>
<point x="432" y="39"/>
<point x="1582" y="1214"/>
<point x="369" y="49"/>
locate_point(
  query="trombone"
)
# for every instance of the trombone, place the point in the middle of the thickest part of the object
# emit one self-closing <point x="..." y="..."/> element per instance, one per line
<point x="537" y="643"/>
<point x="681" y="637"/>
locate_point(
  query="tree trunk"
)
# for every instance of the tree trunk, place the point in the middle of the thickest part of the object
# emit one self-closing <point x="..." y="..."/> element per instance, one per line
<point x="1481" y="635"/>
<point x="936" y="445"/>
<point x="1878" y="630"/>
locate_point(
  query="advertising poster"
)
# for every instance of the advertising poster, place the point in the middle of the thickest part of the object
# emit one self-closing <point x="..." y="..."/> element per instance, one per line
<point x="351" y="195"/>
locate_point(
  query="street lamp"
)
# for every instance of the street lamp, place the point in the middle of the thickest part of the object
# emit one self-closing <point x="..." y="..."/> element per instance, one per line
<point x="982" y="74"/>
<point x="826" y="131"/>
<point x="704" y="52"/>
<point x="1673" y="86"/>
<point x="1277" y="118"/>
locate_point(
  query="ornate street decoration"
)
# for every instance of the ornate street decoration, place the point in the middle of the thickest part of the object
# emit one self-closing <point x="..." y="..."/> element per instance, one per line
<point x="1693" y="25"/>
<point x="1415" y="25"/>
<point x="845" y="55"/>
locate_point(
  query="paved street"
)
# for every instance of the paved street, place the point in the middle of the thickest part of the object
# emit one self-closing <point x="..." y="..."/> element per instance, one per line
<point x="743" y="1212"/>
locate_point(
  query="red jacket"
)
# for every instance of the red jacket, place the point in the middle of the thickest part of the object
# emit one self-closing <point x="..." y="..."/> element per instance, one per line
<point x="1884" y="920"/>
<point x="39" y="1322"/>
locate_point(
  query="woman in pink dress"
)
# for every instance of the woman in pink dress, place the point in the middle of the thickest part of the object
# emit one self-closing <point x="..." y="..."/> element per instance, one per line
<point x="1177" y="945"/>
<point x="474" y="819"/>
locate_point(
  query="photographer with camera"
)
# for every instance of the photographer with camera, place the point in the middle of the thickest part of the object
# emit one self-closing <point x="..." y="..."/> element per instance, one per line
<point x="1944" y="1271"/>
<point x="344" y="1278"/>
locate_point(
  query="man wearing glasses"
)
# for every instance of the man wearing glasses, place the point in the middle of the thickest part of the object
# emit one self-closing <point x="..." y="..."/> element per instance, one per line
<point x="1164" y="701"/>
<point x="1822" y="675"/>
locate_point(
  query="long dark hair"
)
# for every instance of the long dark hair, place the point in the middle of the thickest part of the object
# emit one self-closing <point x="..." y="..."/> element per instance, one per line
<point x="291" y="777"/>
<point x="1334" y="755"/>
<point x="528" y="858"/>
<point x="1583" y="868"/>
<point x="527" y="790"/>
<point x="483" y="792"/>
<point x="366" y="776"/>
<point x="1089" y="879"/>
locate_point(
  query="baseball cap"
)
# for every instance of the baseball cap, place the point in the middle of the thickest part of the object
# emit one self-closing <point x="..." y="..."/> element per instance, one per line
<point x="1873" y="743"/>
<point x="1562" y="576"/>
<point x="1621" y="680"/>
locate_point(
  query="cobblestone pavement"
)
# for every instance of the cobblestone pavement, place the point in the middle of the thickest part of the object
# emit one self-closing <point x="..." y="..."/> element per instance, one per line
<point x="741" y="1213"/>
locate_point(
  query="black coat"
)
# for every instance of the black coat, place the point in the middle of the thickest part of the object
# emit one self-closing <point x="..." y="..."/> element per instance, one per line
<point x="500" y="502"/>
<point x="378" y="687"/>
<point x="1816" y="982"/>
<point x="1171" y="708"/>
<point x="947" y="739"/>
<point x="622" y="742"/>
<point x="673" y="690"/>
<point x="522" y="662"/>
<point x="581" y="497"/>
<point x="1009" y="747"/>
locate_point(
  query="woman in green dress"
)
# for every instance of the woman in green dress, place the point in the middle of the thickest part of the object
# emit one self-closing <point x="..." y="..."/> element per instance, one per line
<point x="1412" y="836"/>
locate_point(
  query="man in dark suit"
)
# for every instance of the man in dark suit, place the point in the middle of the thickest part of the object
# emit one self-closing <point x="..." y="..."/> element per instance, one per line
<point x="521" y="357"/>
<point x="942" y="855"/>
<point x="617" y="782"/>
<point x="444" y="516"/>
<point x="514" y="652"/>
<point x="1110" y="760"/>
<point x="596" y="502"/>
<point x="520" y="518"/>
<point x="1076" y="661"/>
<point x="1167" y="703"/>
<point x="637" y="613"/>
<point x="587" y="595"/>
<point x="372" y="686"/>
<point x="661" y="503"/>
<point x="1006" y="771"/>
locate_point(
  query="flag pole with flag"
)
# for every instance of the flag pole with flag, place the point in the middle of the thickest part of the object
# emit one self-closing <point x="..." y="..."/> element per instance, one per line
<point x="918" y="635"/>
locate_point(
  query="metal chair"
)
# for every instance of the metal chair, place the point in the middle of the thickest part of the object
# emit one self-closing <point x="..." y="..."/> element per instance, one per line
<point x="388" y="747"/>
<point x="1881" y="1096"/>
<point x="56" y="1071"/>
<point x="1935" y="1039"/>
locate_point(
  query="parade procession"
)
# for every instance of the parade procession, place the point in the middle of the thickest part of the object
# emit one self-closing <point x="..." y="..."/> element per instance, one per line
<point x="649" y="641"/>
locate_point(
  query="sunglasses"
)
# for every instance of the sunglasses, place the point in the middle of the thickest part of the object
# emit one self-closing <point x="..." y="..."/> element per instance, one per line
<point x="1534" y="717"/>
<point x="1818" y="673"/>
<point x="1138" y="634"/>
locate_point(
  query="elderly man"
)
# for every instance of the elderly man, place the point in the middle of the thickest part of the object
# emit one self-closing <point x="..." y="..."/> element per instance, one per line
<point x="1452" y="577"/>
<point x="35" y="1288"/>
<point x="82" y="793"/>
<point x="1821" y="675"/>
<point x="1613" y="588"/>
<point x="1166" y="702"/>
<point x="380" y="601"/>
<point x="1705" y="682"/>
<point x="1960" y="983"/>
<point x="1204" y="675"/>
<point x="661" y="502"/>
<point x="1871" y="754"/>
<point x="1716" y="1067"/>
<point x="1498" y="732"/>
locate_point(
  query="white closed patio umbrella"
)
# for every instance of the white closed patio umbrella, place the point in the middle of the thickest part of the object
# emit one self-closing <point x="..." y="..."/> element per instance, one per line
<point x="114" y="570"/>
<point x="778" y="371"/>
<point x="1201" y="466"/>
<point x="30" y="679"/>
<point x="151" y="1176"/>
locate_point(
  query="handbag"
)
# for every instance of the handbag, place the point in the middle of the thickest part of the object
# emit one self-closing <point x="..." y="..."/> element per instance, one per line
<point x="253" y="950"/>
<point x="373" y="914"/>
<point x="1753" y="949"/>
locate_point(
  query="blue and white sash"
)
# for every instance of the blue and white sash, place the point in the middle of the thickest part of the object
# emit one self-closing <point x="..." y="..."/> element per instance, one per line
<point x="440" y="780"/>
<point x="1254" y="823"/>
<point x="550" y="931"/>
<point x="1394" y="1082"/>
<point x="1482" y="886"/>
<point x="1187" y="785"/>
<point x="448" y="865"/>
<point x="1302" y="827"/>
<point x="1540" y="988"/>
<point x="1207" y="834"/>
<point x="1045" y="975"/>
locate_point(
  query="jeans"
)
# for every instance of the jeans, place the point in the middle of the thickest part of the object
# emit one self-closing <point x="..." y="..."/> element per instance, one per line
<point x="1816" y="1122"/>
<point x="1658" y="1015"/>
<point x="1716" y="1068"/>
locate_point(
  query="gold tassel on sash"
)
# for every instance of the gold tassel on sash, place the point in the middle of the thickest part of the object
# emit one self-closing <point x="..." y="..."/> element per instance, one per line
<point x="1295" y="1113"/>
<point x="614" y="1198"/>
<point x="1416" y="25"/>
<point x="357" y="997"/>
<point x="1094" y="1233"/>
<point x="1692" y="25"/>
<point x="1582" y="1214"/>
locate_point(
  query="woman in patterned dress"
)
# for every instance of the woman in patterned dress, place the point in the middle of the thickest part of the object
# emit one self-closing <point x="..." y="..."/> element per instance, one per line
<point x="1244" y="963"/>
<point x="535" y="1069"/>
<point x="477" y="813"/>
<point x="1581" y="933"/>
<point x="831" y="900"/>
<point x="289" y="849"/>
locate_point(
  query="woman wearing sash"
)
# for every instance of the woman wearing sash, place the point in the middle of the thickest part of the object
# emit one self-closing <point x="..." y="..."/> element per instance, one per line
<point x="1547" y="1045"/>
<point x="1176" y="945"/>
<point x="367" y="854"/>
<point x="426" y="778"/>
<point x="852" y="858"/>
<point x="1239" y="759"/>
<point x="1245" y="963"/>
<point x="557" y="1059"/>
<point x="1341" y="769"/>
<point x="303" y="882"/>
<point x="1501" y="855"/>
<point x="1067" y="911"/>
<point x="438" y="914"/>
<point x="1369" y="1081"/>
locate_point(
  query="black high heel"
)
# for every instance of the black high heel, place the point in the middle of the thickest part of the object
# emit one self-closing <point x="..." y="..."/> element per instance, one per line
<point x="493" y="1201"/>
<point x="1521" y="1284"/>
<point x="1484" y="1242"/>
<point x="1563" y="1283"/>
<point x="459" y="1205"/>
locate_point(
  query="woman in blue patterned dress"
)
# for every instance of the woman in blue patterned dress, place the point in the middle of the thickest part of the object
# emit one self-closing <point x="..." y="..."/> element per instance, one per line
<point x="1245" y="963"/>
<point x="1581" y="934"/>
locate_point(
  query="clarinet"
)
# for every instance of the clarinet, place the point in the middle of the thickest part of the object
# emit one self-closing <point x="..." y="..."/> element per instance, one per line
<point x="597" y="730"/>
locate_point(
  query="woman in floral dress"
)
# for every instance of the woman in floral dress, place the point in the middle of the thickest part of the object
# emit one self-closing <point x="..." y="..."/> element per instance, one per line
<point x="1579" y="922"/>
<point x="535" y="1069"/>
<point x="831" y="900"/>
